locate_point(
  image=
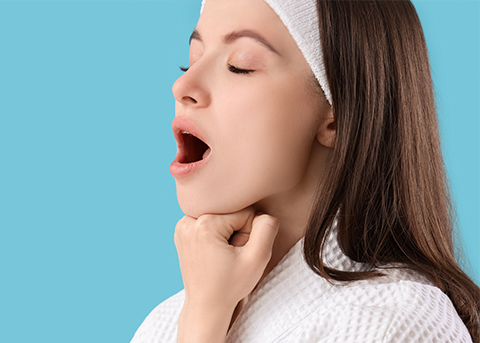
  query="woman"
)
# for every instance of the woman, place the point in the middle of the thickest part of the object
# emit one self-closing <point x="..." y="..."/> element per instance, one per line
<point x="310" y="172"/>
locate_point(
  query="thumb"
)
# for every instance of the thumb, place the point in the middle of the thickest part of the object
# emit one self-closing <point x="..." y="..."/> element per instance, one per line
<point x="262" y="236"/>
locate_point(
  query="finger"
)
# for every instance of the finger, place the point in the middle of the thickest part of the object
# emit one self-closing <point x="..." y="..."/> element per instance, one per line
<point x="263" y="233"/>
<point x="239" y="239"/>
<point x="227" y="224"/>
<point x="183" y="226"/>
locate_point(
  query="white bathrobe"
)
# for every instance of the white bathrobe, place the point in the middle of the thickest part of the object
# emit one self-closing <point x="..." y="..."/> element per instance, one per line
<point x="293" y="304"/>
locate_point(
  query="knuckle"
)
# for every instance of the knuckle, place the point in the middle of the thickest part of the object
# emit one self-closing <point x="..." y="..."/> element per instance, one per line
<point x="181" y="229"/>
<point x="203" y="223"/>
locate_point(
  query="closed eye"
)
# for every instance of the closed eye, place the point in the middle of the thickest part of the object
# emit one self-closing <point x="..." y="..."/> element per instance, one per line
<point x="231" y="68"/>
<point x="236" y="70"/>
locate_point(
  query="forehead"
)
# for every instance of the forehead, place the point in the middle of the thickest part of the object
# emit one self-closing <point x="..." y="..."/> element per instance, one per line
<point x="223" y="16"/>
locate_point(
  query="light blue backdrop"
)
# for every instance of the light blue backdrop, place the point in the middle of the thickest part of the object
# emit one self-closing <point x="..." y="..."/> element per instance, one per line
<point x="87" y="205"/>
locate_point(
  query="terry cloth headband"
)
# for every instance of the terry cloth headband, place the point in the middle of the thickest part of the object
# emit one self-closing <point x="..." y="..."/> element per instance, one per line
<point x="301" y="19"/>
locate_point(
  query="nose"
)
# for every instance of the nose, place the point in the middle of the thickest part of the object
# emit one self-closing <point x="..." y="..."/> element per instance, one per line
<point x="190" y="89"/>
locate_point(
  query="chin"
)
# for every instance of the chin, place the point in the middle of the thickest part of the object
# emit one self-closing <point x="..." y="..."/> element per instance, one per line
<point x="196" y="208"/>
<point x="196" y="201"/>
<point x="196" y="211"/>
<point x="190" y="211"/>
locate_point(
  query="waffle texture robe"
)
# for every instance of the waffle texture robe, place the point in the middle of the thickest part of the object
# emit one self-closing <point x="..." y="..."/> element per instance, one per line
<point x="293" y="304"/>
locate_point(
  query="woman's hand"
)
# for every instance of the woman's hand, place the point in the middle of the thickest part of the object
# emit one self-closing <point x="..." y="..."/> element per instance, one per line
<point x="222" y="258"/>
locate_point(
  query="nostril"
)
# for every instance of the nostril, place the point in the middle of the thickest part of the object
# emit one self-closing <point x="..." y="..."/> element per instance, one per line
<point x="194" y="101"/>
<point x="190" y="99"/>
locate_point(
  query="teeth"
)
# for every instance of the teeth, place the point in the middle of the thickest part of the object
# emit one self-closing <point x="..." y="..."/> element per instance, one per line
<point x="186" y="133"/>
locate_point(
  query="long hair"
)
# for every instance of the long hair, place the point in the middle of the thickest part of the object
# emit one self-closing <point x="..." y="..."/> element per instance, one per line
<point x="386" y="186"/>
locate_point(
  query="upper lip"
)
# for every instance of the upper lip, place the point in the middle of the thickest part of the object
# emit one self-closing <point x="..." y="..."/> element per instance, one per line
<point x="181" y="124"/>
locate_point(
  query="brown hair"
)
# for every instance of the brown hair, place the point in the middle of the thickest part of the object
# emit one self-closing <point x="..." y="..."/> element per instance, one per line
<point x="386" y="185"/>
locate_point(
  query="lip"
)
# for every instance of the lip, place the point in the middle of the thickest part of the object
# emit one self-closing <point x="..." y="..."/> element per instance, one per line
<point x="178" y="169"/>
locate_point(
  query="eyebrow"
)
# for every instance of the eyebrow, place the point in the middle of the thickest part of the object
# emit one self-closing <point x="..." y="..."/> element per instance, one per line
<point x="195" y="35"/>
<point x="234" y="35"/>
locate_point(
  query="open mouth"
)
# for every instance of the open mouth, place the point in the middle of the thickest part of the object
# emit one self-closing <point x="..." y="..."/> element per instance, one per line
<point x="191" y="148"/>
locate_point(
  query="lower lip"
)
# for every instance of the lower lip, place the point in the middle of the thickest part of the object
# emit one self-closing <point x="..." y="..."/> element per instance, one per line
<point x="180" y="170"/>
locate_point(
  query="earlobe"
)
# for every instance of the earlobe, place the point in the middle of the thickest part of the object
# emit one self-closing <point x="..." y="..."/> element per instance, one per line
<point x="327" y="130"/>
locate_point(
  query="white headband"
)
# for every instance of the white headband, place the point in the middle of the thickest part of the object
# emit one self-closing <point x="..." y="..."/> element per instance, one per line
<point x="301" y="19"/>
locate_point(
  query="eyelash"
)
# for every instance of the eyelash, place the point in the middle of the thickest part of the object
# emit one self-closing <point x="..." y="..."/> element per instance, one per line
<point x="236" y="70"/>
<point x="231" y="68"/>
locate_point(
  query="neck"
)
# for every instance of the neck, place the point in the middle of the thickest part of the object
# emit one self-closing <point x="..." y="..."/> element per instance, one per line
<point x="292" y="208"/>
<point x="292" y="227"/>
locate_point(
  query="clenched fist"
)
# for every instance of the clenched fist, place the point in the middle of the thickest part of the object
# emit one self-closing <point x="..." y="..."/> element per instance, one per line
<point x="222" y="258"/>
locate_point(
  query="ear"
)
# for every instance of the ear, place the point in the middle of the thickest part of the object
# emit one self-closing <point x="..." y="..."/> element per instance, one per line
<point x="327" y="130"/>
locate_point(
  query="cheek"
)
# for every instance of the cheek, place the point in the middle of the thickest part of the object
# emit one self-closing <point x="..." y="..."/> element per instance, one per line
<point x="272" y="144"/>
<point x="289" y="130"/>
<point x="283" y="157"/>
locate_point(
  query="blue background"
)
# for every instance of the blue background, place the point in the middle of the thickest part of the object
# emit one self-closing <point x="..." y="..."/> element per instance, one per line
<point x="87" y="204"/>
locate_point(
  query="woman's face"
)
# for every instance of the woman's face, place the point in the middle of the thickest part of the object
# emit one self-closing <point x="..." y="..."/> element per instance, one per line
<point x="249" y="95"/>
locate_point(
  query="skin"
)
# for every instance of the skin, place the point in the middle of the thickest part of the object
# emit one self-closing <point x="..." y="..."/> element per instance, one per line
<point x="270" y="132"/>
